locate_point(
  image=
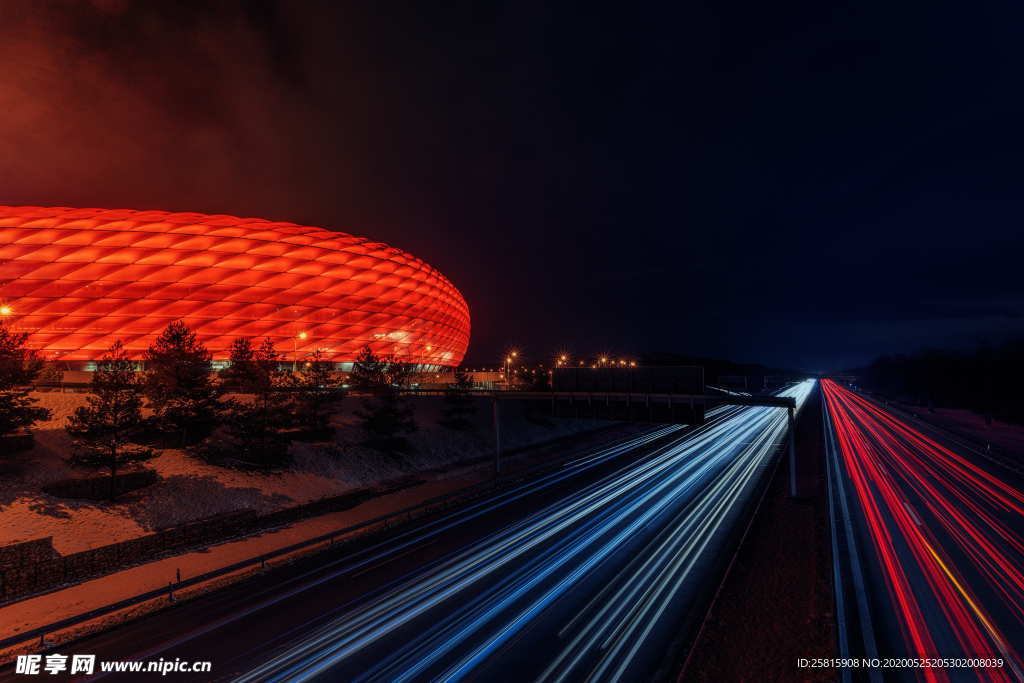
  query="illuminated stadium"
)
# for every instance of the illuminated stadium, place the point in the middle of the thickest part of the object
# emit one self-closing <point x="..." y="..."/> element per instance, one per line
<point x="76" y="280"/>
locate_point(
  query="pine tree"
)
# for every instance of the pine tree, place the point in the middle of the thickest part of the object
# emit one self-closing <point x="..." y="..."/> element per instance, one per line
<point x="317" y="394"/>
<point x="51" y="374"/>
<point x="459" y="404"/>
<point x="386" y="415"/>
<point x="386" y="418"/>
<point x="369" y="372"/>
<point x="19" y="367"/>
<point x="102" y="429"/>
<point x="255" y="428"/>
<point x="179" y="386"/>
<point x="237" y="378"/>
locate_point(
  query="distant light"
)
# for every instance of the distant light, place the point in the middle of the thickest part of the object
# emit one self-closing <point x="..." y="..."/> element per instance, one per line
<point x="6" y="310"/>
<point x="303" y="335"/>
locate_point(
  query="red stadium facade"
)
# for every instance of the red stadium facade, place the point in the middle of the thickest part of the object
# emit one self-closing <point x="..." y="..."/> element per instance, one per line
<point x="78" y="279"/>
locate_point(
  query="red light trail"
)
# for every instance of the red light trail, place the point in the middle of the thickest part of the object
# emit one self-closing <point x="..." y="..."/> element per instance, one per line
<point x="946" y="535"/>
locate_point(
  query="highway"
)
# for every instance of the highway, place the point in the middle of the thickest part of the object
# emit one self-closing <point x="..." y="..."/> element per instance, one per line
<point x="931" y="547"/>
<point x="593" y="570"/>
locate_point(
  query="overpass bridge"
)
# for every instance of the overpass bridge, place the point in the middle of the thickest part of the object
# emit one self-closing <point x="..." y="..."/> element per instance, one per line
<point x="655" y="408"/>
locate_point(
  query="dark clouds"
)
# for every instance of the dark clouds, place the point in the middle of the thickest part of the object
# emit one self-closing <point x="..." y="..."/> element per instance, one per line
<point x="799" y="184"/>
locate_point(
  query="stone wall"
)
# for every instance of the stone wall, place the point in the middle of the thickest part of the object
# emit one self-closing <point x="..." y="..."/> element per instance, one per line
<point x="40" y="576"/>
<point x="98" y="487"/>
<point x="16" y="443"/>
<point x="27" y="552"/>
<point x="44" y="572"/>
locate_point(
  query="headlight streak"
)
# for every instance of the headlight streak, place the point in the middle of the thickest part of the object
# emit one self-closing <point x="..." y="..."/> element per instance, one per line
<point x="887" y="461"/>
<point x="453" y="520"/>
<point x="376" y="619"/>
<point x="383" y="550"/>
<point x="658" y="499"/>
<point x="691" y="485"/>
<point x="628" y="617"/>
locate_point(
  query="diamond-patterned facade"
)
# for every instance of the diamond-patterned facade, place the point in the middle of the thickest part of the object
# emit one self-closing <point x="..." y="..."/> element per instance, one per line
<point x="78" y="279"/>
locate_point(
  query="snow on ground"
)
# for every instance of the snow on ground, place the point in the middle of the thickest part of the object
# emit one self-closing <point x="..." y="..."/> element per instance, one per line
<point x="66" y="602"/>
<point x="26" y="512"/>
<point x="54" y="606"/>
<point x="191" y="489"/>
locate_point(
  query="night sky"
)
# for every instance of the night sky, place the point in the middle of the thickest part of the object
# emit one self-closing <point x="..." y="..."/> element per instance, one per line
<point x="785" y="183"/>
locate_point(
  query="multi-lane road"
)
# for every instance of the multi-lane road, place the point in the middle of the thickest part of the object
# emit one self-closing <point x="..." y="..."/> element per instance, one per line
<point x="600" y="568"/>
<point x="929" y="539"/>
<point x="596" y="570"/>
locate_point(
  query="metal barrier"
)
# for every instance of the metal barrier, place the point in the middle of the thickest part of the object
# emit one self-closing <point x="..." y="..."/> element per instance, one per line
<point x="363" y="529"/>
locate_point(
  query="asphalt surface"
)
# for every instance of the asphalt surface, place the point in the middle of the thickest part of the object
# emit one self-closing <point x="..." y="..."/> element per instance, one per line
<point x="591" y="570"/>
<point x="938" y="531"/>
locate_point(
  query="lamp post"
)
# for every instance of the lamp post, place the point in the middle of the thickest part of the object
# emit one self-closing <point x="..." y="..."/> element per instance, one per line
<point x="508" y="368"/>
<point x="295" y="349"/>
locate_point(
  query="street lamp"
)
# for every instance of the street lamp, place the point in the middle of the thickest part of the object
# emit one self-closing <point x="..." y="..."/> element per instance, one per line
<point x="6" y="310"/>
<point x="295" y="349"/>
<point x="508" y="366"/>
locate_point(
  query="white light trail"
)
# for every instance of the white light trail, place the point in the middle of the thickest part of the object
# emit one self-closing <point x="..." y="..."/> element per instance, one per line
<point x="495" y="588"/>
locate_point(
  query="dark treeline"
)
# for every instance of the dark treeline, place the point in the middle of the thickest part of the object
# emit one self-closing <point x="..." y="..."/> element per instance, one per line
<point x="987" y="380"/>
<point x="246" y="415"/>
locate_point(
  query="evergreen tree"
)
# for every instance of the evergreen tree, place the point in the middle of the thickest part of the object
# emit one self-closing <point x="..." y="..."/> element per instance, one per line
<point x="179" y="386"/>
<point x="102" y="429"/>
<point x="238" y="377"/>
<point x="369" y="372"/>
<point x="51" y="373"/>
<point x="19" y="367"/>
<point x="459" y="404"/>
<point x="317" y="394"/>
<point x="255" y="427"/>
<point x="386" y="416"/>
